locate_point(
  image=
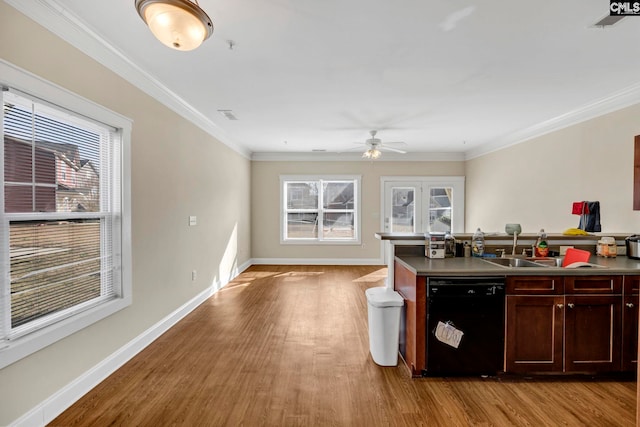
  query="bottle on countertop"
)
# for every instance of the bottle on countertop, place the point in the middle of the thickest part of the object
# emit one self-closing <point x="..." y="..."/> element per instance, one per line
<point x="477" y="243"/>
<point x="467" y="250"/>
<point x="449" y="245"/>
<point x="542" y="248"/>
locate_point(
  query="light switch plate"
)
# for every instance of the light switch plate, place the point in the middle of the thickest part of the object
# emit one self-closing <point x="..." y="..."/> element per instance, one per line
<point x="192" y="220"/>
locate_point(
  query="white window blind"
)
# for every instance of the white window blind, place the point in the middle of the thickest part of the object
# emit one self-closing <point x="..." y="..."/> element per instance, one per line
<point x="60" y="214"/>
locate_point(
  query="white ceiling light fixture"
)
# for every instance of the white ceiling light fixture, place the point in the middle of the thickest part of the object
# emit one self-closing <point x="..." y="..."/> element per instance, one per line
<point x="375" y="147"/>
<point x="372" y="153"/>
<point x="179" y="24"/>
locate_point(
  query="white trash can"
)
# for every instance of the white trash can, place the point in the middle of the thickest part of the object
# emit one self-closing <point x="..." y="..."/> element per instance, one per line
<point x="384" y="308"/>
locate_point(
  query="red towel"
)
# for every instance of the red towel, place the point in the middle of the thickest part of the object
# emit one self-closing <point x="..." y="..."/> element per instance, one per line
<point x="580" y="208"/>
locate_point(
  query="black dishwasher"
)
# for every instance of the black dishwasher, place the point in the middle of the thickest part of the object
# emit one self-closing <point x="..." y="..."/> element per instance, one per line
<point x="465" y="326"/>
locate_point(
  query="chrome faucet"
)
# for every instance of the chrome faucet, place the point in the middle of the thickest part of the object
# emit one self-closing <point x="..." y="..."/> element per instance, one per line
<point x="515" y="243"/>
<point x="514" y="229"/>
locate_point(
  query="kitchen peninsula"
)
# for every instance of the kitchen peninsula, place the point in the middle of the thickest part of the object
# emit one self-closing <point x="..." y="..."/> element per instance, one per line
<point x="556" y="320"/>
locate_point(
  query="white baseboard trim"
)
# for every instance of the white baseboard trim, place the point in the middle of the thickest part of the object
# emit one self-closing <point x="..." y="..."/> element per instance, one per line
<point x="54" y="405"/>
<point x="318" y="261"/>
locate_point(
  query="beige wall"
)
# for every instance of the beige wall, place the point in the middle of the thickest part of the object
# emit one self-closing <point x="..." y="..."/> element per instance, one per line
<point x="177" y="170"/>
<point x="535" y="183"/>
<point x="265" y="199"/>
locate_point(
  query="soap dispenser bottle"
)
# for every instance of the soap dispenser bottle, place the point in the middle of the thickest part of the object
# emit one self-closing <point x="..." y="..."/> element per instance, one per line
<point x="542" y="248"/>
<point x="477" y="243"/>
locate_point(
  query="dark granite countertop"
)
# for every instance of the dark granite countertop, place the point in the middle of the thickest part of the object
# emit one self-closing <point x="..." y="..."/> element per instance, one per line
<point x="423" y="266"/>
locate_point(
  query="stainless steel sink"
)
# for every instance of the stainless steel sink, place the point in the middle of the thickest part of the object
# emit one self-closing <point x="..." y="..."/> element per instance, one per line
<point x="515" y="262"/>
<point x="512" y="262"/>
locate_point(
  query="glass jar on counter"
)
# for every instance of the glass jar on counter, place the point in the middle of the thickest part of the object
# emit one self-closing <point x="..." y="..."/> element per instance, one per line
<point x="607" y="247"/>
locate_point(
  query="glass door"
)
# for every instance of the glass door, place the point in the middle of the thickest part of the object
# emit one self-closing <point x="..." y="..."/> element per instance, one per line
<point x="419" y="207"/>
<point x="402" y="207"/>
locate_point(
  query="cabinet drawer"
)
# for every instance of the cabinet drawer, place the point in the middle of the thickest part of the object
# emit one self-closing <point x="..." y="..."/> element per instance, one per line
<point x="534" y="285"/>
<point x="593" y="284"/>
<point x="631" y="285"/>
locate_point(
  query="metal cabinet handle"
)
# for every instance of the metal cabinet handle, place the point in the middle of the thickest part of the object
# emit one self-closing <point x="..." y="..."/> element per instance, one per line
<point x="560" y="306"/>
<point x="571" y="305"/>
<point x="630" y="305"/>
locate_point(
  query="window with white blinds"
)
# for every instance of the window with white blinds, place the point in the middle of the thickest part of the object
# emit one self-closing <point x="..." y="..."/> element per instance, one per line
<point x="61" y="207"/>
<point x="59" y="204"/>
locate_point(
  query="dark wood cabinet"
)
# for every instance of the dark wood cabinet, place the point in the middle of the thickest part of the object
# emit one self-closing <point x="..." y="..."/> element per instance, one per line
<point x="593" y="333"/>
<point x="534" y="333"/>
<point x="630" y="314"/>
<point x="553" y="324"/>
<point x="413" y="289"/>
<point x="590" y="285"/>
<point x="564" y="324"/>
<point x="534" y="285"/>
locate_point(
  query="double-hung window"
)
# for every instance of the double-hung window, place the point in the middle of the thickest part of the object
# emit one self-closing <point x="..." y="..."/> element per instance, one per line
<point x="63" y="232"/>
<point x="320" y="209"/>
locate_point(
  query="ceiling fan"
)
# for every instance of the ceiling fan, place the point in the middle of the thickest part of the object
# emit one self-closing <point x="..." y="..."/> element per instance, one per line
<point x="376" y="146"/>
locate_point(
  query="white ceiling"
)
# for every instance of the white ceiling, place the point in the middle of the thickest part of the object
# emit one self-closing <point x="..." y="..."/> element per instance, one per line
<point x="448" y="77"/>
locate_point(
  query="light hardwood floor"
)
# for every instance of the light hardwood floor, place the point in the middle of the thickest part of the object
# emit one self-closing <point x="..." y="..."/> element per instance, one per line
<point x="288" y="346"/>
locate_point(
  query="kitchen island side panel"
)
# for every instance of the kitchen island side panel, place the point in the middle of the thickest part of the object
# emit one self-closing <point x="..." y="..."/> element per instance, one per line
<point x="414" y="291"/>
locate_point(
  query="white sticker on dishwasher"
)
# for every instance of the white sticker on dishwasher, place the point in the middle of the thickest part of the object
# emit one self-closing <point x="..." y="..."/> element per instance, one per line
<point x="448" y="334"/>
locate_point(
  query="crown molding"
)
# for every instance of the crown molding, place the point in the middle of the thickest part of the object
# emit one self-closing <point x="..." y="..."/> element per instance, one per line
<point x="354" y="157"/>
<point x="616" y="101"/>
<point x="53" y="16"/>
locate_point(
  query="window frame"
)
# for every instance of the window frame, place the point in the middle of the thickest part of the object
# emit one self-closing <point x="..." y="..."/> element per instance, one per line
<point x="320" y="210"/>
<point x="14" y="348"/>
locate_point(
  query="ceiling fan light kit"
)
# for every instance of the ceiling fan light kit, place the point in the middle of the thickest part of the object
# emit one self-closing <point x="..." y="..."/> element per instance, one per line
<point x="376" y="146"/>
<point x="372" y="153"/>
<point x="178" y="24"/>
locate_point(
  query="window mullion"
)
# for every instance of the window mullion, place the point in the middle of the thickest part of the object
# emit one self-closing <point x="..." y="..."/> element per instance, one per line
<point x="320" y="209"/>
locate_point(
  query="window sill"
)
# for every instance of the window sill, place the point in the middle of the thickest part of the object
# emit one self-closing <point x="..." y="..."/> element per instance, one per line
<point x="311" y="242"/>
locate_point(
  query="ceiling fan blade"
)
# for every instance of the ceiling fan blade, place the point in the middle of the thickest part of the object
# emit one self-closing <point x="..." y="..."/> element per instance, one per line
<point x="402" y="143"/>
<point x="395" y="150"/>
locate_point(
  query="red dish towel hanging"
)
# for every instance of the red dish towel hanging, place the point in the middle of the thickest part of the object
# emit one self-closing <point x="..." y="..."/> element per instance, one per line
<point x="580" y="208"/>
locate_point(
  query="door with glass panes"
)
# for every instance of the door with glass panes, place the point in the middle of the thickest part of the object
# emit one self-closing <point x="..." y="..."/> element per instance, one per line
<point x="424" y="205"/>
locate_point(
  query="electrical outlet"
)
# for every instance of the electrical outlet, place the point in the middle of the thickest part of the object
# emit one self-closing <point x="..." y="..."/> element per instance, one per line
<point x="193" y="220"/>
<point x="194" y="275"/>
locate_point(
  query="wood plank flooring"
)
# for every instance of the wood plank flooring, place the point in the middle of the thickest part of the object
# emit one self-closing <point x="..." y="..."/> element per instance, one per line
<point x="288" y="346"/>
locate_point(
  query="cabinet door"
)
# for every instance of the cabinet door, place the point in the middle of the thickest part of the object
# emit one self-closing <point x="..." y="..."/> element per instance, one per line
<point x="593" y="333"/>
<point x="630" y="333"/>
<point x="534" y="334"/>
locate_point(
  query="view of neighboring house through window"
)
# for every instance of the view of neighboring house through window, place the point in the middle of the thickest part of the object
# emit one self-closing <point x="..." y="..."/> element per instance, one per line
<point x="320" y="209"/>
<point x="404" y="209"/>
<point x="60" y="217"/>
<point x="440" y="209"/>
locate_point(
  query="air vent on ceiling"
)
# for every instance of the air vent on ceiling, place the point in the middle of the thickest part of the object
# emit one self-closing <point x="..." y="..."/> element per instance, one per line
<point x="607" y="21"/>
<point x="228" y="114"/>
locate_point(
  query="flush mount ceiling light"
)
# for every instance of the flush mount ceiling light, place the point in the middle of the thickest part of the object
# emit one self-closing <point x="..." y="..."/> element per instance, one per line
<point x="179" y="24"/>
